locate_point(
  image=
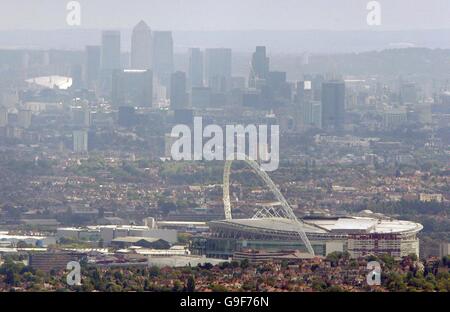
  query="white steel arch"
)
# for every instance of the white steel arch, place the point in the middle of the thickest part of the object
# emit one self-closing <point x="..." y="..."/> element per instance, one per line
<point x="286" y="211"/>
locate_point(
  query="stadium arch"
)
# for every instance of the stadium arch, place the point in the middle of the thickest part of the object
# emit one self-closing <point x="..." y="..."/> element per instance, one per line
<point x="286" y="211"/>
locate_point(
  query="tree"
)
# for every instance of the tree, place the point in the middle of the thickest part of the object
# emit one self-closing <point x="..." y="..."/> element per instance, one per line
<point x="218" y="288"/>
<point x="334" y="288"/>
<point x="249" y="286"/>
<point x="318" y="285"/>
<point x="154" y="271"/>
<point x="111" y="287"/>
<point x="11" y="278"/>
<point x="245" y="264"/>
<point x="190" y="284"/>
<point x="234" y="264"/>
<point x="177" y="286"/>
<point x="413" y="257"/>
<point x="395" y="282"/>
<point x="388" y="260"/>
<point x="334" y="257"/>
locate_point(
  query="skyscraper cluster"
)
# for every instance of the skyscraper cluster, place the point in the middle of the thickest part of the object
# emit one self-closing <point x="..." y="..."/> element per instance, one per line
<point x="151" y="80"/>
<point x="151" y="61"/>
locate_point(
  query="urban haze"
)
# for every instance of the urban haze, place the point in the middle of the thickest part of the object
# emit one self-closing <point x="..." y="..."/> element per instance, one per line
<point x="225" y="146"/>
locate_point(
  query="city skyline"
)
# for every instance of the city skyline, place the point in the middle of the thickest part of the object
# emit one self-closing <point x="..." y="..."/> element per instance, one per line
<point x="228" y="15"/>
<point x="144" y="157"/>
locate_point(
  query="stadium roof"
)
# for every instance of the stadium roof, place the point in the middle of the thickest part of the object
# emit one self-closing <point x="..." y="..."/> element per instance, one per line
<point x="366" y="225"/>
<point x="345" y="225"/>
<point x="274" y="224"/>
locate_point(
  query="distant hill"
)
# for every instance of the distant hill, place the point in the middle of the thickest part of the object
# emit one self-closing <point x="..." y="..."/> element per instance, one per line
<point x="314" y="41"/>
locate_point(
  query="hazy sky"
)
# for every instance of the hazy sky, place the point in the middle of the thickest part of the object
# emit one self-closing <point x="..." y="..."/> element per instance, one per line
<point x="227" y="14"/>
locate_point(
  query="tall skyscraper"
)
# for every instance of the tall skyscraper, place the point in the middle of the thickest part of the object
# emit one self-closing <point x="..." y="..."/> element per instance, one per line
<point x="110" y="59"/>
<point x="333" y="104"/>
<point x="163" y="56"/>
<point x="277" y="91"/>
<point x="218" y="69"/>
<point x="178" y="95"/>
<point x="92" y="65"/>
<point x="304" y="92"/>
<point x="259" y="66"/>
<point x="81" y="116"/>
<point x="141" y="47"/>
<point x="312" y="114"/>
<point x="195" y="68"/>
<point x="132" y="87"/>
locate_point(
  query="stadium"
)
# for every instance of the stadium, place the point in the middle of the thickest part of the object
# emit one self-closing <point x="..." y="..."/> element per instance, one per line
<point x="276" y="228"/>
<point x="359" y="236"/>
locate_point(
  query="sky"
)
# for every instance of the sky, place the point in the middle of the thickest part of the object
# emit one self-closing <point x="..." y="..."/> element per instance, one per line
<point x="210" y="15"/>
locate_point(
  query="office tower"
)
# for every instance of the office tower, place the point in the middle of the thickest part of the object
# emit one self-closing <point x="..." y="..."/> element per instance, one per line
<point x="81" y="116"/>
<point x="127" y="117"/>
<point x="306" y="114"/>
<point x="195" y="68"/>
<point x="92" y="65"/>
<point x="132" y="87"/>
<point x="304" y="92"/>
<point x="141" y="47"/>
<point x="24" y="118"/>
<point x="218" y="69"/>
<point x="200" y="97"/>
<point x="163" y="56"/>
<point x="80" y="141"/>
<point x="316" y="114"/>
<point x="333" y="104"/>
<point x="178" y="95"/>
<point x="3" y="116"/>
<point x="259" y="69"/>
<point x="277" y="91"/>
<point x="316" y="85"/>
<point x="110" y="58"/>
<point x="312" y="114"/>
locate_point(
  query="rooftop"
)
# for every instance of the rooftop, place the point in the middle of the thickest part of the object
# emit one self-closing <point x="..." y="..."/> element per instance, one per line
<point x="326" y="225"/>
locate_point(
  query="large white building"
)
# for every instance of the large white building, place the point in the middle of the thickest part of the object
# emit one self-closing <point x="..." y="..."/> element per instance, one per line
<point x="107" y="233"/>
<point x="359" y="236"/>
<point x="8" y="240"/>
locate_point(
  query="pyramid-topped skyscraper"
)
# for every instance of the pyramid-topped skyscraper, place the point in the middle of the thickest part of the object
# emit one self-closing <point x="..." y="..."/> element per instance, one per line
<point x="141" y="47"/>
